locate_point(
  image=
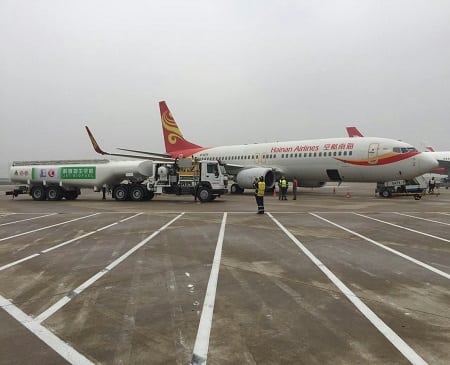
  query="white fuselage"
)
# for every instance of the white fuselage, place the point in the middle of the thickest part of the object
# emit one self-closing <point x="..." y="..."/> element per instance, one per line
<point x="365" y="159"/>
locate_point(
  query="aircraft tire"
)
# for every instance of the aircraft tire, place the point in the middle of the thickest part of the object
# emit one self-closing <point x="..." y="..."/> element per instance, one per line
<point x="236" y="189"/>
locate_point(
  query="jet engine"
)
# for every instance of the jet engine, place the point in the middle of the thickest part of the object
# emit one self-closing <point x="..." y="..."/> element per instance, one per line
<point x="246" y="177"/>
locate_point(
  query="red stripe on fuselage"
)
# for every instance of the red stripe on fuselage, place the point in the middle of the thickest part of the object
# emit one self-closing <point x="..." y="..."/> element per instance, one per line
<point x="380" y="160"/>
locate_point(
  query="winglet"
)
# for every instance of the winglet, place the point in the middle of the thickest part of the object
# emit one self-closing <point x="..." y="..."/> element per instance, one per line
<point x="173" y="138"/>
<point x="94" y="142"/>
<point x="431" y="149"/>
<point x="353" y="132"/>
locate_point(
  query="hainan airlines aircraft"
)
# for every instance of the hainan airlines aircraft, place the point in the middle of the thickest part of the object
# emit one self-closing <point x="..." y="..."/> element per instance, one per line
<point x="313" y="162"/>
<point x="442" y="157"/>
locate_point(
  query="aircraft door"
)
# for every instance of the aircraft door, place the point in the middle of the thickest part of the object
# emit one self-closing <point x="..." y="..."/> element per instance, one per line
<point x="373" y="153"/>
<point x="260" y="158"/>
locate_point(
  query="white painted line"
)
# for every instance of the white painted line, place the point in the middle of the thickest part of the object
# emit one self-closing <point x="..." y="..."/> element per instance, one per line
<point x="46" y="336"/>
<point x="204" y="329"/>
<point x="424" y="219"/>
<point x="46" y="227"/>
<point x="62" y="302"/>
<point x="397" y="341"/>
<point x="28" y="219"/>
<point x="405" y="228"/>
<point x="409" y="258"/>
<point x="14" y="263"/>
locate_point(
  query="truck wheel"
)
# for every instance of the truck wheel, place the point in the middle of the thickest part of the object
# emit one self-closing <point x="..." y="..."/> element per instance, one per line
<point x="54" y="193"/>
<point x="71" y="194"/>
<point x="38" y="192"/>
<point x="385" y="194"/>
<point x="204" y="194"/>
<point x="137" y="193"/>
<point x="234" y="189"/>
<point x="149" y="195"/>
<point x="120" y="193"/>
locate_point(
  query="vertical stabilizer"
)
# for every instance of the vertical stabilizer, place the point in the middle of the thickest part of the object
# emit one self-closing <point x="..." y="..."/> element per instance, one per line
<point x="173" y="138"/>
<point x="353" y="132"/>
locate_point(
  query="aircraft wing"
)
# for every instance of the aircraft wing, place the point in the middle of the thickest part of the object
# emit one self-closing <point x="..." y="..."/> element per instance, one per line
<point x="148" y="155"/>
<point x="164" y="155"/>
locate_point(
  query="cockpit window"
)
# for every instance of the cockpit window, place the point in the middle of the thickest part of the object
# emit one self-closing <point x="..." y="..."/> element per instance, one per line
<point x="404" y="149"/>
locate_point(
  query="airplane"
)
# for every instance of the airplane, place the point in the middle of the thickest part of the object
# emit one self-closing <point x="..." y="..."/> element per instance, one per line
<point x="314" y="162"/>
<point x="442" y="157"/>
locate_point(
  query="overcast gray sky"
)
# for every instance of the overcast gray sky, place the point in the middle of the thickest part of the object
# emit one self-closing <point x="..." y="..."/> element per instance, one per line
<point x="231" y="71"/>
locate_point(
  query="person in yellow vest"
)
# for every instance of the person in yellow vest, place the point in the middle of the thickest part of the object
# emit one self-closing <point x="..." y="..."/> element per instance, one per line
<point x="284" y="187"/>
<point x="260" y="190"/>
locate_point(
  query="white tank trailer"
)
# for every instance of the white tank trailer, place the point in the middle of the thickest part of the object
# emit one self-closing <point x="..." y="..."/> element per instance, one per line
<point x="126" y="180"/>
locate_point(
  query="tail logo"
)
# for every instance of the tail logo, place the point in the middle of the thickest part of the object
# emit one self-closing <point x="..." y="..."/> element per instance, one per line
<point x="170" y="126"/>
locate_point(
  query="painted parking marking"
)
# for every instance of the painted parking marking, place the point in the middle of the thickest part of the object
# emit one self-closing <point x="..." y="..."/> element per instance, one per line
<point x="204" y="329"/>
<point x="46" y="336"/>
<point x="405" y="228"/>
<point x="14" y="263"/>
<point x="424" y="219"/>
<point x="66" y="299"/>
<point x="390" y="335"/>
<point x="46" y="227"/>
<point x="28" y="219"/>
<point x="409" y="258"/>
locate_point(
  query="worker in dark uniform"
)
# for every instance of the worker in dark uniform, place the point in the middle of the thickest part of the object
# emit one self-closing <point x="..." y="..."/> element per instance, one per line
<point x="259" y="194"/>
<point x="294" y="187"/>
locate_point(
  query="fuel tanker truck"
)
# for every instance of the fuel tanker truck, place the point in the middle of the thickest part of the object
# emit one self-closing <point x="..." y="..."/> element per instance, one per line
<point x="134" y="180"/>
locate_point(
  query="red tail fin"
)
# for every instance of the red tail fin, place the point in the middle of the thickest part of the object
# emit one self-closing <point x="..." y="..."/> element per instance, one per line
<point x="173" y="138"/>
<point x="431" y="149"/>
<point x="353" y="132"/>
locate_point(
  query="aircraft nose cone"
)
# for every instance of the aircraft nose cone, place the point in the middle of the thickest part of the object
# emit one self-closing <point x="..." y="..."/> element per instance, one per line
<point x="427" y="162"/>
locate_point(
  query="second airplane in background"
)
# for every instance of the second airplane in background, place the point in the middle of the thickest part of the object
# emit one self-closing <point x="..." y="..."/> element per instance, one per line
<point x="313" y="162"/>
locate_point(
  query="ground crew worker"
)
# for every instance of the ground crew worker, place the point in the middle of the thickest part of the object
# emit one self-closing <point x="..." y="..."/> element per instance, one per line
<point x="294" y="187"/>
<point x="284" y="186"/>
<point x="279" y="189"/>
<point x="259" y="194"/>
<point x="431" y="185"/>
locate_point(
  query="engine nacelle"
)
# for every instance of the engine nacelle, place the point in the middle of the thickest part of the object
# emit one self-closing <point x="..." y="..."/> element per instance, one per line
<point x="246" y="177"/>
<point x="311" y="184"/>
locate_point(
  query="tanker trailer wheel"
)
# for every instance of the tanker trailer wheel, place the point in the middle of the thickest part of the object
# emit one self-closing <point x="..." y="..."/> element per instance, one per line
<point x="204" y="194"/>
<point x="38" y="192"/>
<point x="120" y="193"/>
<point x="54" y="193"/>
<point x="137" y="193"/>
